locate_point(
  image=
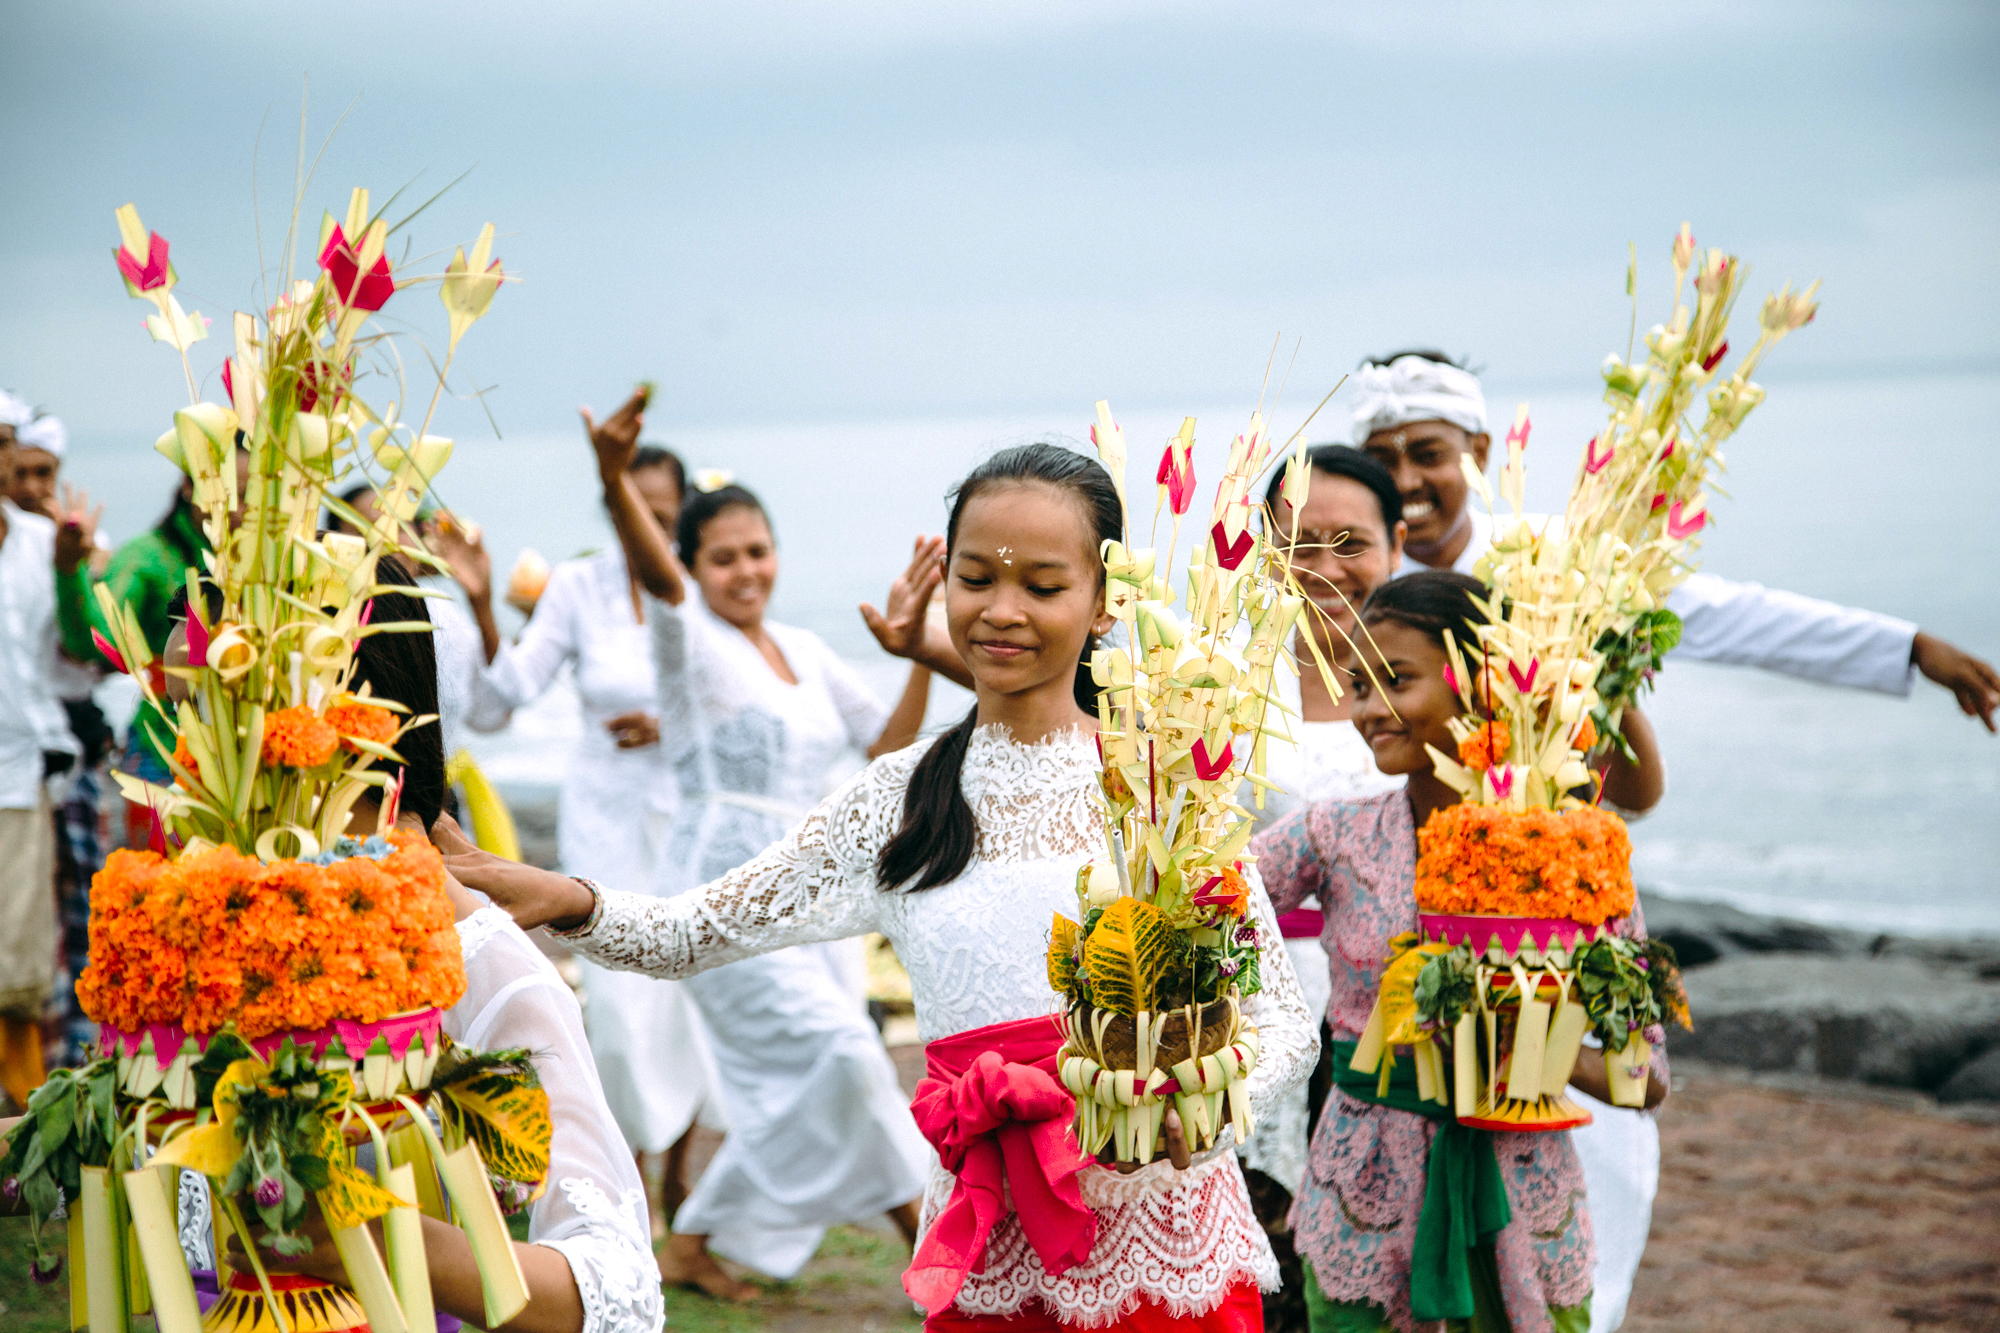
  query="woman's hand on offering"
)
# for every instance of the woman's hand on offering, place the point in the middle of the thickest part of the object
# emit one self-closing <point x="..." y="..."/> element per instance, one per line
<point x="635" y="730"/>
<point x="1177" y="1147"/>
<point x="532" y="897"/>
<point x="616" y="439"/>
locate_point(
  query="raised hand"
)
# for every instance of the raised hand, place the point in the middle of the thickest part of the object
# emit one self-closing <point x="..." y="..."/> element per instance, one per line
<point x="532" y="897"/>
<point x="76" y="529"/>
<point x="616" y="439"/>
<point x="462" y="547"/>
<point x="900" y="628"/>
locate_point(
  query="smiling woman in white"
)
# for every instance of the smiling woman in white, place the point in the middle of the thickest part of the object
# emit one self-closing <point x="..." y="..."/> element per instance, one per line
<point x="618" y="797"/>
<point x="753" y="715"/>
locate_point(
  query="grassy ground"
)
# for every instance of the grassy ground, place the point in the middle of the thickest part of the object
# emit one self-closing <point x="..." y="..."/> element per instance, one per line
<point x="26" y="1307"/>
<point x="853" y="1283"/>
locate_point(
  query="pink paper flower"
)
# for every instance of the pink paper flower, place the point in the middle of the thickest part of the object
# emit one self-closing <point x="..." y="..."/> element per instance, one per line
<point x="197" y="640"/>
<point x="111" y="654"/>
<point x="1177" y="475"/>
<point x="1679" y="527"/>
<point x="1594" y="462"/>
<point x="148" y="272"/>
<point x="356" y="290"/>
<point x="1525" y="682"/>
<point x="1714" y="359"/>
<point x="1209" y="767"/>
<point x="1230" y="554"/>
<point x="1519" y="431"/>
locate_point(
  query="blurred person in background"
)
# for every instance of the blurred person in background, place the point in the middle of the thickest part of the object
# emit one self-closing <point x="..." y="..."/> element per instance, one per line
<point x="35" y="742"/>
<point x="753" y="716"/>
<point x="75" y="790"/>
<point x="618" y="800"/>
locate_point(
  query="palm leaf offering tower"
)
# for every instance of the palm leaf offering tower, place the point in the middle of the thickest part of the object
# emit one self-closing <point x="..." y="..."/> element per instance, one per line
<point x="270" y="978"/>
<point x="1164" y="948"/>
<point x="1523" y="886"/>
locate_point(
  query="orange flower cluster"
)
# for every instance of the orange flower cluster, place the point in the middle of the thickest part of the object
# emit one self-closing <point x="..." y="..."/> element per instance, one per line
<point x="1478" y="860"/>
<point x="185" y="757"/>
<point x="359" y="721"/>
<point x="298" y="738"/>
<point x="1584" y="738"/>
<point x="1227" y="893"/>
<point x="217" y="937"/>
<point x="1486" y="747"/>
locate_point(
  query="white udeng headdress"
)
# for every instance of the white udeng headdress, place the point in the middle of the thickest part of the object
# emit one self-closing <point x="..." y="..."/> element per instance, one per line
<point x="1415" y="388"/>
<point x="14" y="412"/>
<point x="43" y="433"/>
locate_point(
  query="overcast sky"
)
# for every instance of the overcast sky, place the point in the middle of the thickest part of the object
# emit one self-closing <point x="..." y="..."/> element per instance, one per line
<point x="792" y="211"/>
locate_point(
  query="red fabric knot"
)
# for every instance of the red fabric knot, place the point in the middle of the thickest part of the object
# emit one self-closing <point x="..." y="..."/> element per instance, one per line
<point x="1001" y="1124"/>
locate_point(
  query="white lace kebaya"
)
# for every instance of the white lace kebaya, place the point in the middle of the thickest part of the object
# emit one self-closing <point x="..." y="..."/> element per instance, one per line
<point x="594" y="1210"/>
<point x="975" y="952"/>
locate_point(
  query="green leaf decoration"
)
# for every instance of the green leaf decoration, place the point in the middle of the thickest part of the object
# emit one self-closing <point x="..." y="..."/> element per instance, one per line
<point x="1127" y="954"/>
<point x="507" y="1117"/>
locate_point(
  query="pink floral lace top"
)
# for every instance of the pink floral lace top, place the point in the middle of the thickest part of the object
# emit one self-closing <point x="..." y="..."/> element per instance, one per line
<point x="1355" y="1216"/>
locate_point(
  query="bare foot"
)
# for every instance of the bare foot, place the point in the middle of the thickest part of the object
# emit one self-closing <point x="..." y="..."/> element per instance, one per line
<point x="686" y="1262"/>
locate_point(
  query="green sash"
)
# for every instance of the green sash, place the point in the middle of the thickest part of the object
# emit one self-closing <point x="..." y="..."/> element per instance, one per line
<point x="1465" y="1200"/>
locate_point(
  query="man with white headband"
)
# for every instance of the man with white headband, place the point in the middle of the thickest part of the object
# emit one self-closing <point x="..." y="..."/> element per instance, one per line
<point x="1417" y="414"/>
<point x="39" y="444"/>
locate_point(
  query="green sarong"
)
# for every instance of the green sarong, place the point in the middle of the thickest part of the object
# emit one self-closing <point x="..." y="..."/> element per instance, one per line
<point x="1489" y="1311"/>
<point x="1465" y="1199"/>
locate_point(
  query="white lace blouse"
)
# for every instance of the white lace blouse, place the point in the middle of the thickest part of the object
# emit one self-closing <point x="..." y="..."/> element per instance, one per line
<point x="975" y="950"/>
<point x="594" y="1210"/>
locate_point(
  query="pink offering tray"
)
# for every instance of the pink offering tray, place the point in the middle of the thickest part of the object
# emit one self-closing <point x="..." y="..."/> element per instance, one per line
<point x="383" y="1057"/>
<point x="1524" y="937"/>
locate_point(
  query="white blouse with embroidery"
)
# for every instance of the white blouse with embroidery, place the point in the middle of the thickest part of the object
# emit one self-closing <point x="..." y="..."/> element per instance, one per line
<point x="594" y="1210"/>
<point x="975" y="951"/>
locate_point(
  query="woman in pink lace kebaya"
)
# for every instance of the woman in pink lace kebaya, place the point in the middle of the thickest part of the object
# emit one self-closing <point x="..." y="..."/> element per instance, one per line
<point x="1357" y="1213"/>
<point x="960" y="851"/>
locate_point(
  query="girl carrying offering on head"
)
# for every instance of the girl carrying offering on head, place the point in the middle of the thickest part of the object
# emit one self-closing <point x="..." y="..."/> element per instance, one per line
<point x="1381" y="1248"/>
<point x="959" y="850"/>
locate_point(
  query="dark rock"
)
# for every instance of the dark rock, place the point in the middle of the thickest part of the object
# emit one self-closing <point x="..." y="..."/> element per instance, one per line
<point x="1703" y="933"/>
<point x="1895" y="1021"/>
<point x="1978" y="1081"/>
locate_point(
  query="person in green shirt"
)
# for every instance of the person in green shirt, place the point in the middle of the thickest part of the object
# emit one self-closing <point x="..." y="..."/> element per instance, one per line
<point x="144" y="574"/>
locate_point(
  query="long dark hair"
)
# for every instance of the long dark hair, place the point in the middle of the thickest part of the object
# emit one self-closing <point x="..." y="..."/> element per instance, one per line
<point x="403" y="667"/>
<point x="1341" y="460"/>
<point x="704" y="505"/>
<point x="1430" y="603"/>
<point x="654" y="455"/>
<point x="938" y="833"/>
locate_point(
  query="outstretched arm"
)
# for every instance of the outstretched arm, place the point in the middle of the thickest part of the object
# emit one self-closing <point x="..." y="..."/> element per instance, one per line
<point x="647" y="550"/>
<point x="1637" y="787"/>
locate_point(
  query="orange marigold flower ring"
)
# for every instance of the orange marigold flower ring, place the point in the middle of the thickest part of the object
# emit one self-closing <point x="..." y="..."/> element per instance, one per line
<point x="298" y="738"/>
<point x="355" y="720"/>
<point x="219" y="938"/>
<point x="183" y="756"/>
<point x="1477" y="860"/>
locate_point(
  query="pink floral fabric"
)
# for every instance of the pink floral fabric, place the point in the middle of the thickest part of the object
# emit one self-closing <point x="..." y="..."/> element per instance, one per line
<point x="1355" y="1217"/>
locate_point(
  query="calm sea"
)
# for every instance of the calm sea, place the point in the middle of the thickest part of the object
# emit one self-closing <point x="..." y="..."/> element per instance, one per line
<point x="1784" y="797"/>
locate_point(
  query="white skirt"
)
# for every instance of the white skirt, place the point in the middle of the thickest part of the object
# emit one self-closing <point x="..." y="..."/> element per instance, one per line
<point x="819" y="1129"/>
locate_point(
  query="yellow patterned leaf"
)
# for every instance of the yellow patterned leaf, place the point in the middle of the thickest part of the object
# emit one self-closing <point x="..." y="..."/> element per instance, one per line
<point x="509" y="1122"/>
<point x="1126" y="953"/>
<point x="1399" y="993"/>
<point x="350" y="1196"/>
<point x="1062" y="951"/>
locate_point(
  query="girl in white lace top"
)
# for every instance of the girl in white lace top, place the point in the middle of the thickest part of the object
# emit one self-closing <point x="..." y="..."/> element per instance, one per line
<point x="960" y="852"/>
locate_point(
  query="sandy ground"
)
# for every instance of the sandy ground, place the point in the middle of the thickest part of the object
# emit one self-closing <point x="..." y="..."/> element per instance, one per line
<point x="1788" y="1205"/>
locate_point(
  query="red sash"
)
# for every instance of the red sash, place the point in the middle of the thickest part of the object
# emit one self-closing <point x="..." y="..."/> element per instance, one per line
<point x="991" y="1106"/>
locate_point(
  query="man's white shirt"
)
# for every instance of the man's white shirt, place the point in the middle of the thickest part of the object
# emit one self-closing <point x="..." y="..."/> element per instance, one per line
<point x="1747" y="624"/>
